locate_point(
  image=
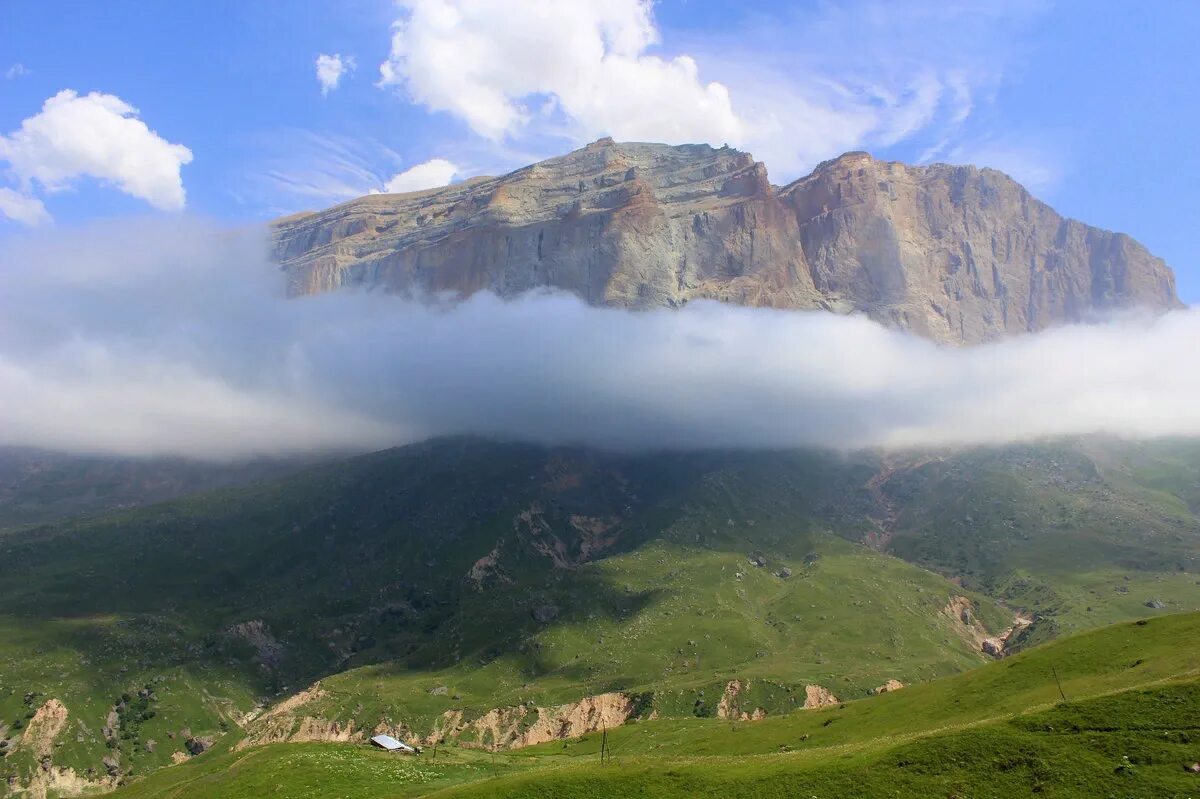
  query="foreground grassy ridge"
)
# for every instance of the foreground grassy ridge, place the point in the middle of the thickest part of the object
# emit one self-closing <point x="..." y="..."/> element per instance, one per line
<point x="1047" y="754"/>
<point x="344" y="771"/>
<point x="998" y="731"/>
<point x="1090" y="664"/>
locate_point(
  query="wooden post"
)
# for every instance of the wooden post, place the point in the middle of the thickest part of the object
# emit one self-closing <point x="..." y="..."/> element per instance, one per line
<point x="1058" y="682"/>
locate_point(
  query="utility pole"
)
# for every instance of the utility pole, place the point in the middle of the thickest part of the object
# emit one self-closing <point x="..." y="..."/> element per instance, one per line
<point x="1058" y="682"/>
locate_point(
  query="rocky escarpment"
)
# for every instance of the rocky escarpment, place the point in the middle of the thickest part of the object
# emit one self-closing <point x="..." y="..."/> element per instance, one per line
<point x="954" y="253"/>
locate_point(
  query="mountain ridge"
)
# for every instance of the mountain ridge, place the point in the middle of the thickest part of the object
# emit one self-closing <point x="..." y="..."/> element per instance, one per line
<point x="957" y="254"/>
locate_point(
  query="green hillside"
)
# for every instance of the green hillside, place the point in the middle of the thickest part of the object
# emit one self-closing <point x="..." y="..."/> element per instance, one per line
<point x="479" y="591"/>
<point x="1128" y="728"/>
<point x="1082" y="533"/>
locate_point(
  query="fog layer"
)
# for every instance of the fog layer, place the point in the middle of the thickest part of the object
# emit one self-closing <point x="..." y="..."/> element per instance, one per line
<point x="176" y="338"/>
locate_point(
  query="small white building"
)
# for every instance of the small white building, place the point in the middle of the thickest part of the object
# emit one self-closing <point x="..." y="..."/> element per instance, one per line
<point x="392" y="745"/>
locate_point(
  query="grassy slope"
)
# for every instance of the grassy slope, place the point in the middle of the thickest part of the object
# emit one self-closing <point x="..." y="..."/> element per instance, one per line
<point x="849" y="621"/>
<point x="379" y="549"/>
<point x="359" y="570"/>
<point x="997" y="731"/>
<point x="1083" y="533"/>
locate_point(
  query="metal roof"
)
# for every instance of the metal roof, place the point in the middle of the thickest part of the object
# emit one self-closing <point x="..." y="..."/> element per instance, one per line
<point x="390" y="743"/>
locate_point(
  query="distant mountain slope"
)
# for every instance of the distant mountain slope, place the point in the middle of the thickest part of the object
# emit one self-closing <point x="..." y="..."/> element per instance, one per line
<point x="38" y="486"/>
<point x="954" y="253"/>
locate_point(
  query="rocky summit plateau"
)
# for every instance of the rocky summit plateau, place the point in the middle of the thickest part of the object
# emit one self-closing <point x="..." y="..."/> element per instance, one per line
<point x="957" y="254"/>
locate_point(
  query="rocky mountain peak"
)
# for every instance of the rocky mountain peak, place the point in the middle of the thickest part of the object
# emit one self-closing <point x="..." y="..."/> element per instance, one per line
<point x="954" y="253"/>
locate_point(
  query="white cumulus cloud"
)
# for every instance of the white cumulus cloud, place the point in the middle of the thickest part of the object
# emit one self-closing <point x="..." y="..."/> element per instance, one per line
<point x="581" y="64"/>
<point x="22" y="208"/>
<point x="331" y="68"/>
<point x="99" y="136"/>
<point x="794" y="87"/>
<point x="431" y="174"/>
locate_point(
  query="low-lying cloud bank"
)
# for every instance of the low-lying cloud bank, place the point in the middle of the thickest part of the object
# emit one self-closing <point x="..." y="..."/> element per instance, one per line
<point x="176" y="338"/>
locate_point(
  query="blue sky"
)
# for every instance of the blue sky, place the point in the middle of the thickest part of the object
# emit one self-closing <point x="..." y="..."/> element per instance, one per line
<point x="1092" y="105"/>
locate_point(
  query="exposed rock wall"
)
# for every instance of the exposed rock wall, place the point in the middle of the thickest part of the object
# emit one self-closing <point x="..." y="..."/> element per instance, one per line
<point x="41" y="734"/>
<point x="730" y="706"/>
<point x="507" y="728"/>
<point x="43" y="729"/>
<point x="817" y="696"/>
<point x="954" y="253"/>
<point x="962" y="254"/>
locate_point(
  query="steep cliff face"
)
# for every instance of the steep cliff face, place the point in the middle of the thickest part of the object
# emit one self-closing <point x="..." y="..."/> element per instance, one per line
<point x="954" y="253"/>
<point x="962" y="254"/>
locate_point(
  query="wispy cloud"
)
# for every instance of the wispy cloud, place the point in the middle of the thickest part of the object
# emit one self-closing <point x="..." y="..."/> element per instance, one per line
<point x="310" y="168"/>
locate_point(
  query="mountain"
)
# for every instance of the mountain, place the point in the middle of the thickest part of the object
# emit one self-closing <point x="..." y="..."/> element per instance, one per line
<point x="957" y="254"/>
<point x="502" y="595"/>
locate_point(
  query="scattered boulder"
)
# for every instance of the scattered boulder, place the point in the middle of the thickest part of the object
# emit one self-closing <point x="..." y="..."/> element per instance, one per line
<point x="784" y="573"/>
<point x="440" y="690"/>
<point x="992" y="646"/>
<point x="1194" y="768"/>
<point x="888" y="687"/>
<point x="198" y="746"/>
<point x="543" y="614"/>
<point x="1155" y="604"/>
<point x="112" y="766"/>
<point x="267" y="649"/>
<point x="757" y="560"/>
